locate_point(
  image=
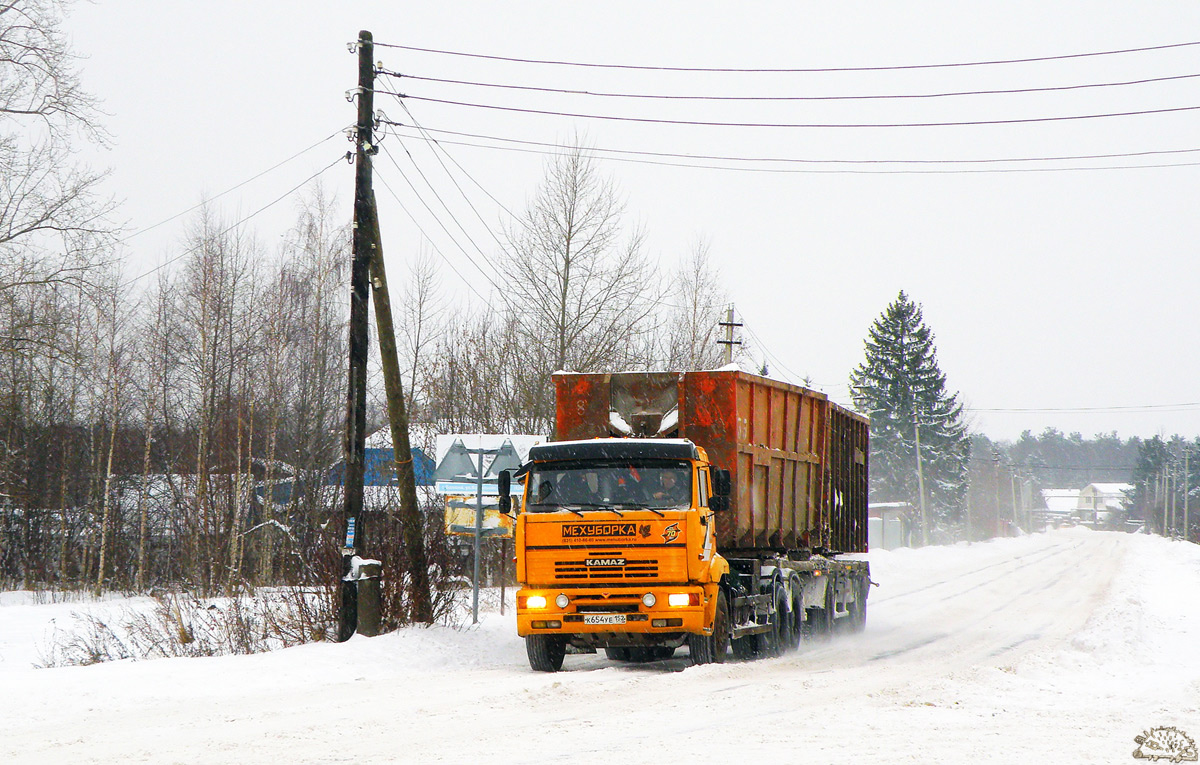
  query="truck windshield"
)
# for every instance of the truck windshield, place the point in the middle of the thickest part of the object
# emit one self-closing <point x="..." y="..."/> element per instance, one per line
<point x="599" y="485"/>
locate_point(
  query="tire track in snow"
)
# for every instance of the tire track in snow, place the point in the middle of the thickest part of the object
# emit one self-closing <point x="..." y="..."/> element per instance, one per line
<point x="987" y="620"/>
<point x="956" y="578"/>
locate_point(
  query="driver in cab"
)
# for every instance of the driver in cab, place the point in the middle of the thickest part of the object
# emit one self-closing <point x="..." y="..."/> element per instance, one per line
<point x="671" y="491"/>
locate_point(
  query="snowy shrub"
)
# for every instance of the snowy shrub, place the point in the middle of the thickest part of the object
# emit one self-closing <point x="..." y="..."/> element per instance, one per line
<point x="179" y="625"/>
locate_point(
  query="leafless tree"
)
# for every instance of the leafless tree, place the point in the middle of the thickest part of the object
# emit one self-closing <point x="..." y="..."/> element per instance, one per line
<point x="696" y="302"/>
<point x="581" y="288"/>
<point x="53" y="221"/>
<point x="39" y="78"/>
<point x="420" y="313"/>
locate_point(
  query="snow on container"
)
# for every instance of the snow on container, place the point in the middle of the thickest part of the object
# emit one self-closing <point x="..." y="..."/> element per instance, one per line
<point x="797" y="461"/>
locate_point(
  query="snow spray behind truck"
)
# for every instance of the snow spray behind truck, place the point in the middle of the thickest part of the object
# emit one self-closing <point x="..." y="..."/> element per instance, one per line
<point x="704" y="509"/>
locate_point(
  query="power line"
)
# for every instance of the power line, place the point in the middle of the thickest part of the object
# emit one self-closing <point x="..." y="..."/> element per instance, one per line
<point x="772" y="357"/>
<point x="446" y="207"/>
<point x="1087" y="409"/>
<point x="790" y="125"/>
<point x="270" y="204"/>
<point x="556" y="150"/>
<point x="800" y="160"/>
<point x="437" y="220"/>
<point x="229" y="190"/>
<point x="438" y="148"/>
<point x="767" y="99"/>
<point x="436" y="249"/>
<point x="593" y="65"/>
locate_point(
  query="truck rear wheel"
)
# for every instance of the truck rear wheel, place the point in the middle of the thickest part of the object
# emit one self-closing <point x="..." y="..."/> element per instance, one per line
<point x="744" y="647"/>
<point x="771" y="643"/>
<point x="546" y="652"/>
<point x="710" y="649"/>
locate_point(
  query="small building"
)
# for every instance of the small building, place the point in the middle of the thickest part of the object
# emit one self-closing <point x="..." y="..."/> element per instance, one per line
<point x="889" y="525"/>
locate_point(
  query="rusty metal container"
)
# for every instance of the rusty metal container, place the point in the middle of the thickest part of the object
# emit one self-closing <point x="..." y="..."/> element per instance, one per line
<point x="798" y="461"/>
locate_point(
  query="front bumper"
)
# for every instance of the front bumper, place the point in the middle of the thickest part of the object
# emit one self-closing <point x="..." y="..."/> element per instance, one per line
<point x="601" y="617"/>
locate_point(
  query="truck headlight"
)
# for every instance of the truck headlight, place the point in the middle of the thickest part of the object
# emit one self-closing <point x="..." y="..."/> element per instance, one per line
<point x="649" y="600"/>
<point x="535" y="601"/>
<point x="683" y="599"/>
<point x="562" y="601"/>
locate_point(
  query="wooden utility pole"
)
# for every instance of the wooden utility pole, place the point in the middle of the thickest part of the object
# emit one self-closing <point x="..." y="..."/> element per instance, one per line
<point x="411" y="524"/>
<point x="354" y="445"/>
<point x="1174" y="489"/>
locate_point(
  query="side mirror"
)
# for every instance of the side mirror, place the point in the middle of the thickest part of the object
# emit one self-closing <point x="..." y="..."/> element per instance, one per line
<point x="718" y="504"/>
<point x="504" y="489"/>
<point x="721" y="483"/>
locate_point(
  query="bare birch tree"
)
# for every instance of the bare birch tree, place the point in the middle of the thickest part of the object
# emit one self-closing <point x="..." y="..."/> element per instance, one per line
<point x="693" y="314"/>
<point x="581" y="289"/>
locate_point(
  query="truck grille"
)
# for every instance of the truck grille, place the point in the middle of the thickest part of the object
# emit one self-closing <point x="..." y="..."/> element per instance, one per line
<point x="579" y="571"/>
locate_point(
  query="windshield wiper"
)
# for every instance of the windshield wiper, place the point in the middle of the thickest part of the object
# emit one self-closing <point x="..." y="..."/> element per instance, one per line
<point x="664" y="507"/>
<point x="626" y="506"/>
<point x="551" y="507"/>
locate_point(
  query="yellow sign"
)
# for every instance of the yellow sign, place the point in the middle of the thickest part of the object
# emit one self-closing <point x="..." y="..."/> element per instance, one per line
<point x="460" y="516"/>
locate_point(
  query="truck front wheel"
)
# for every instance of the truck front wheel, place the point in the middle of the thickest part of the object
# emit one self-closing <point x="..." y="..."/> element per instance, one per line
<point x="546" y="652"/>
<point x="710" y="649"/>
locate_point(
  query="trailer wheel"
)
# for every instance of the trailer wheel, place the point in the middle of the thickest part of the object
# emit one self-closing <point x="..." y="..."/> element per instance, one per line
<point x="858" y="609"/>
<point x="819" y="624"/>
<point x="546" y="652"/>
<point x="795" y="619"/>
<point x="710" y="649"/>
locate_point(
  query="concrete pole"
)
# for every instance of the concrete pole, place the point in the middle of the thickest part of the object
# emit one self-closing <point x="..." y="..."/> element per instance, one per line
<point x="1013" y="483"/>
<point x="921" y="484"/>
<point x="478" y="533"/>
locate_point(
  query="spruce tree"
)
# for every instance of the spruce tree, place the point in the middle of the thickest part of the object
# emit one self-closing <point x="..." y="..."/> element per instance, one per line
<point x="900" y="387"/>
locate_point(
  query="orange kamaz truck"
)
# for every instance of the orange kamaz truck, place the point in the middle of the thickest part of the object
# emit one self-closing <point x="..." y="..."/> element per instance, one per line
<point x="698" y="509"/>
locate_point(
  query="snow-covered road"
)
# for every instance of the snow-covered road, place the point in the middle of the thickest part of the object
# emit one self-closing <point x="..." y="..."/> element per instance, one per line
<point x="1054" y="647"/>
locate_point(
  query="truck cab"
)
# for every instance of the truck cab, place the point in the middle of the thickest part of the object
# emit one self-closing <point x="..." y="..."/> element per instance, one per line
<point x="616" y="547"/>
<point x="705" y="509"/>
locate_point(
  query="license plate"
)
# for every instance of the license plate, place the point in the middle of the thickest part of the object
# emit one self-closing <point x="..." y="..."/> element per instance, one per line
<point x="604" y="618"/>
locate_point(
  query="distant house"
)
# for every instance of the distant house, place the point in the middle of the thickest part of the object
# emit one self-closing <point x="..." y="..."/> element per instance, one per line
<point x="1060" y="507"/>
<point x="378" y="472"/>
<point x="1102" y="504"/>
<point x="379" y="467"/>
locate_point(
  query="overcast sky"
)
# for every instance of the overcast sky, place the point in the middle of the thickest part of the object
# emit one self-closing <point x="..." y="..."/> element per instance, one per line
<point x="1049" y="289"/>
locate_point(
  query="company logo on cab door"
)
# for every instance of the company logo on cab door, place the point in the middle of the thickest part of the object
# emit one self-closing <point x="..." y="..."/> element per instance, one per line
<point x="599" y="530"/>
